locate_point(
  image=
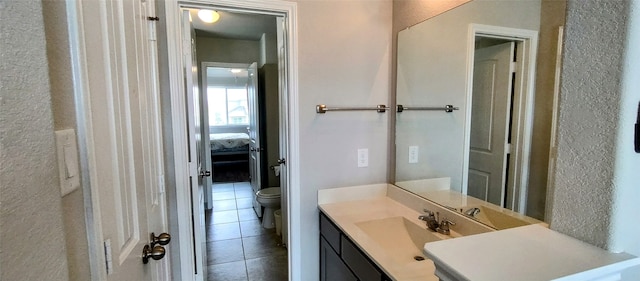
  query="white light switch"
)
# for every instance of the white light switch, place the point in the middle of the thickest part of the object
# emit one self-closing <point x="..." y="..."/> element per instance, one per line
<point x="413" y="154"/>
<point x="67" y="152"/>
<point x="363" y="157"/>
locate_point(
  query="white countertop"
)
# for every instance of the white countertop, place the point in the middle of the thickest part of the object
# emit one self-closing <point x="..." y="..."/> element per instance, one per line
<point x="525" y="253"/>
<point x="346" y="214"/>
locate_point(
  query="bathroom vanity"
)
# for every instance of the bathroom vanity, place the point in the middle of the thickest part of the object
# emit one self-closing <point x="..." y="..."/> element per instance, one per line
<point x="373" y="232"/>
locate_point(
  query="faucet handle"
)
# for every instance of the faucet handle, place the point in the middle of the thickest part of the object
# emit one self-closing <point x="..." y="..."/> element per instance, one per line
<point x="428" y="212"/>
<point x="444" y="226"/>
<point x="446" y="221"/>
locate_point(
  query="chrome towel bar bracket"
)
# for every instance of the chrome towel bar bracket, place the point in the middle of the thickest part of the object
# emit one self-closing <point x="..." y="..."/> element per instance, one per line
<point x="446" y="108"/>
<point x="321" y="108"/>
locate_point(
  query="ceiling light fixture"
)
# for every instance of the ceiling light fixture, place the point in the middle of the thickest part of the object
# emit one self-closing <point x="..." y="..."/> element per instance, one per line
<point x="235" y="70"/>
<point x="208" y="16"/>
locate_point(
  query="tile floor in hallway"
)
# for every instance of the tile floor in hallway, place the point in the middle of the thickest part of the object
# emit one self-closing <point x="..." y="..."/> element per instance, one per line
<point x="238" y="248"/>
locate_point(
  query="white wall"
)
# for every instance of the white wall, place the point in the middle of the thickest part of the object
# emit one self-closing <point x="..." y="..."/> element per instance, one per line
<point x="627" y="179"/>
<point x="32" y="245"/>
<point x="432" y="71"/>
<point x="344" y="60"/>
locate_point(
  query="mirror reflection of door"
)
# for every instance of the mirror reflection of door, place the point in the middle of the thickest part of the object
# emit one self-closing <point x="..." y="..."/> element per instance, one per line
<point x="493" y="79"/>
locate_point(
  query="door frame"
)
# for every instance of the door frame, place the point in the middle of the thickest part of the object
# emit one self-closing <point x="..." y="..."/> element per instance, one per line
<point x="522" y="124"/>
<point x="179" y="125"/>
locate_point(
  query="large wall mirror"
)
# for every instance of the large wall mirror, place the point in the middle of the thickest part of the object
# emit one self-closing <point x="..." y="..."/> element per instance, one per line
<point x="496" y="63"/>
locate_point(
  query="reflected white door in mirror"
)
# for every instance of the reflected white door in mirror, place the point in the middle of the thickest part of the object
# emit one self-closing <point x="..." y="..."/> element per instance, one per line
<point x="486" y="64"/>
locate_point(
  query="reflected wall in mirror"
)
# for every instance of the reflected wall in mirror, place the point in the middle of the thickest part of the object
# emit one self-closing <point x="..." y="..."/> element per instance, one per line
<point x="496" y="61"/>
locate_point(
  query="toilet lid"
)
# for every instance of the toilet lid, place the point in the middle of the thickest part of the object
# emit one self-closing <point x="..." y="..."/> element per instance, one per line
<point x="269" y="192"/>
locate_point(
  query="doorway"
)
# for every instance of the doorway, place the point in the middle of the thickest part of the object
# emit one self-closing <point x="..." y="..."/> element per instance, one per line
<point x="499" y="114"/>
<point x="238" y="90"/>
<point x="193" y="254"/>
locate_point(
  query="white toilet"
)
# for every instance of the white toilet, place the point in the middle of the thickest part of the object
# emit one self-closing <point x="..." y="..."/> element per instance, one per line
<point x="269" y="198"/>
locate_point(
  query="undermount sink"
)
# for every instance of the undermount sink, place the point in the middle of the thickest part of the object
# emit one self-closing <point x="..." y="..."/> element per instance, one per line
<point x="497" y="219"/>
<point x="400" y="238"/>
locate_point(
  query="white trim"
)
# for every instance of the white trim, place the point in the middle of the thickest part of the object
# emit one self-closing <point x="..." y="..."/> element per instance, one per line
<point x="75" y="24"/>
<point x="174" y="48"/>
<point x="523" y="124"/>
<point x="553" y="143"/>
<point x="180" y="141"/>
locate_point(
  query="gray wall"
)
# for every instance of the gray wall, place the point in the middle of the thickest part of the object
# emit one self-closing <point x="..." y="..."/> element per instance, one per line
<point x="211" y="49"/>
<point x="32" y="238"/>
<point x="63" y="106"/>
<point x="344" y="60"/>
<point x="552" y="16"/>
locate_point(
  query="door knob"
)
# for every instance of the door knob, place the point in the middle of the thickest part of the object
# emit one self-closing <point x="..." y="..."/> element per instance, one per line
<point x="154" y="252"/>
<point x="205" y="173"/>
<point x="162" y="239"/>
<point x="282" y="161"/>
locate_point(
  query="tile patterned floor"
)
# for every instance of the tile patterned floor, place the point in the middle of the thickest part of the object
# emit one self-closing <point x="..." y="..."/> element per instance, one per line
<point x="238" y="248"/>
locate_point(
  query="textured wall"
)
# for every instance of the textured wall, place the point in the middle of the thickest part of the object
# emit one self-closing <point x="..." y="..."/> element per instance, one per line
<point x="32" y="243"/>
<point x="589" y="112"/>
<point x="63" y="107"/>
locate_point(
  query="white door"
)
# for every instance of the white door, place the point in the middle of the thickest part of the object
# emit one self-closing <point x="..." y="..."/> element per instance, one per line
<point x="492" y="80"/>
<point x="205" y="138"/>
<point x="254" y="134"/>
<point x="283" y="125"/>
<point x="197" y="164"/>
<point x="116" y="59"/>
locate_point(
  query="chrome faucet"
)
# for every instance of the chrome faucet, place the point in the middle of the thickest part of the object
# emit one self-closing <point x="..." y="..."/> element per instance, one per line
<point x="472" y="212"/>
<point x="431" y="219"/>
<point x="444" y="226"/>
<point x="433" y="224"/>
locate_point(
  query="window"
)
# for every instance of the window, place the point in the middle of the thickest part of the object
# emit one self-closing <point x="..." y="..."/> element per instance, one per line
<point x="227" y="106"/>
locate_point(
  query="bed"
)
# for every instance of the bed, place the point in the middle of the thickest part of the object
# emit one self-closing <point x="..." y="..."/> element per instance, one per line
<point x="229" y="148"/>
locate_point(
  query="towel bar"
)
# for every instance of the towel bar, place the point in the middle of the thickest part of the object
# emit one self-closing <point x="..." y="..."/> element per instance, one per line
<point x="446" y="108"/>
<point x="321" y="108"/>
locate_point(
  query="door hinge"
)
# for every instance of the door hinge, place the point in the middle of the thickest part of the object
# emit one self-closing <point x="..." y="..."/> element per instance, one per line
<point x="108" y="257"/>
<point x="513" y="66"/>
<point x="153" y="18"/>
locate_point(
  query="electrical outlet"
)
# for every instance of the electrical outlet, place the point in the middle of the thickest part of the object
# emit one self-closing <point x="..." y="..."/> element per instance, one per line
<point x="413" y="154"/>
<point x="363" y="157"/>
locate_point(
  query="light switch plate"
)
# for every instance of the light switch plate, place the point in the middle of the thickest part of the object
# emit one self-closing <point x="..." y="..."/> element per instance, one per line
<point x="413" y="154"/>
<point x="363" y="157"/>
<point x="67" y="152"/>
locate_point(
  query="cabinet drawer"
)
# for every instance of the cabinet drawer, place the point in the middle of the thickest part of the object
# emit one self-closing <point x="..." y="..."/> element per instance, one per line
<point x="358" y="262"/>
<point x="332" y="268"/>
<point x="330" y="232"/>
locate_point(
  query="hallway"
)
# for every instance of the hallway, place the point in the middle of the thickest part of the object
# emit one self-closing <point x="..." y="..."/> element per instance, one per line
<point x="238" y="248"/>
